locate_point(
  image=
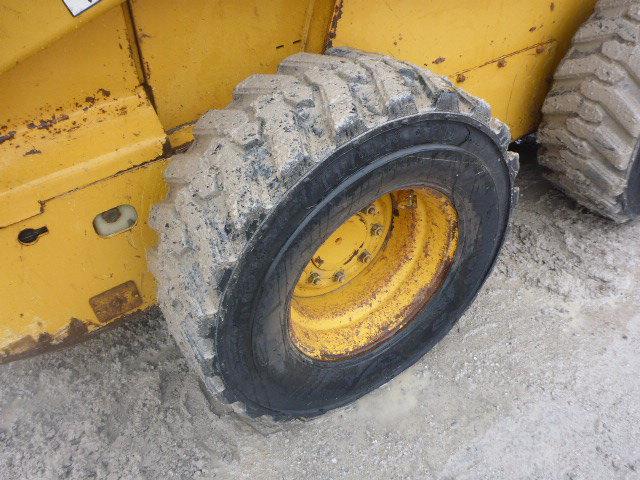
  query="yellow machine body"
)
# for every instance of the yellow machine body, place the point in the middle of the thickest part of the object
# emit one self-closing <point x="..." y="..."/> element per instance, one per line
<point x="92" y="106"/>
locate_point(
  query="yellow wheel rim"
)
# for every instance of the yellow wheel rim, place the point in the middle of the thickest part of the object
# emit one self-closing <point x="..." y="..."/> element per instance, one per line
<point x="373" y="274"/>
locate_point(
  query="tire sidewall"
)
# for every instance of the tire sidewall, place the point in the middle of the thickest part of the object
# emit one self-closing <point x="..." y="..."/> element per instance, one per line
<point x="255" y="356"/>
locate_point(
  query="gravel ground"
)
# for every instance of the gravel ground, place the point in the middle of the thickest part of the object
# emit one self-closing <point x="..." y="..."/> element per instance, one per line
<point x="539" y="380"/>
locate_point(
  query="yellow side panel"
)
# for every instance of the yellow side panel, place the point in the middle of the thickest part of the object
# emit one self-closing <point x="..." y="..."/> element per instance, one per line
<point x="86" y="147"/>
<point x="458" y="37"/>
<point x="62" y="76"/>
<point x="72" y="114"/>
<point x="515" y="85"/>
<point x="48" y="284"/>
<point x="78" y="136"/>
<point x="195" y="52"/>
<point x="29" y="26"/>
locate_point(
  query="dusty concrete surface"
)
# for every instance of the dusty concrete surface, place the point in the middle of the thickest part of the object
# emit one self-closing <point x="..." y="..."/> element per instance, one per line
<point x="540" y="379"/>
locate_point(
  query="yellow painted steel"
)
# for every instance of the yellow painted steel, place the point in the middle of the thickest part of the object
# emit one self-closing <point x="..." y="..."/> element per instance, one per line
<point x="89" y="106"/>
<point x="336" y="317"/>
<point x="196" y="52"/>
<point x="27" y="27"/>
<point x="96" y="120"/>
<point x="470" y="37"/>
<point x="48" y="284"/>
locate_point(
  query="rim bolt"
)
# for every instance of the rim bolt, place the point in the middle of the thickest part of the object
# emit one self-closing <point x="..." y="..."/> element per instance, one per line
<point x="371" y="210"/>
<point x="376" y="229"/>
<point x="364" y="257"/>
<point x="314" y="278"/>
<point x="339" y="276"/>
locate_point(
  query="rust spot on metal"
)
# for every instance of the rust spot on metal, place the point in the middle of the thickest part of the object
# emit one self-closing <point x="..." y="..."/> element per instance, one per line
<point x="33" y="151"/>
<point x="75" y="332"/>
<point x="76" y="329"/>
<point x="21" y="346"/>
<point x="439" y="60"/>
<point x="461" y="78"/>
<point x="533" y="29"/>
<point x="45" y="339"/>
<point x="502" y="61"/>
<point x="116" y="301"/>
<point x="333" y="27"/>
<point x="47" y="123"/>
<point x="552" y="6"/>
<point x="28" y="346"/>
<point x="9" y="136"/>
<point x="425" y="295"/>
<point x="540" y="49"/>
<point x="104" y="92"/>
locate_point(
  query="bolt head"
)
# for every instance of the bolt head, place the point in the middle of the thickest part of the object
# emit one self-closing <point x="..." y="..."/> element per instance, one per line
<point x="314" y="278"/>
<point x="376" y="229"/>
<point x="364" y="257"/>
<point x="371" y="210"/>
<point x="339" y="276"/>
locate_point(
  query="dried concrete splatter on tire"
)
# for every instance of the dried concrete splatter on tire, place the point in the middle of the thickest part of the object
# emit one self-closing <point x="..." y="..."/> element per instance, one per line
<point x="538" y="380"/>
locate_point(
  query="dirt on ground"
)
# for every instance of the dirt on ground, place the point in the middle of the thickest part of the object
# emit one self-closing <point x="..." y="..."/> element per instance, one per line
<point x="539" y="380"/>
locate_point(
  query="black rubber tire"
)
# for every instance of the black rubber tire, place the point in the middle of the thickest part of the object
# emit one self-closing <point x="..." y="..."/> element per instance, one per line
<point x="591" y="117"/>
<point x="411" y="128"/>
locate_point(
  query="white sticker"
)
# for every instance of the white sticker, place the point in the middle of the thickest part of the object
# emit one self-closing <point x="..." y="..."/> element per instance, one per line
<point x="76" y="7"/>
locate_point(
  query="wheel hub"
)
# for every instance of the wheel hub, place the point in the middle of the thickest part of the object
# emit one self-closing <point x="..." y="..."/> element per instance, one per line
<point x="348" y="250"/>
<point x="372" y="275"/>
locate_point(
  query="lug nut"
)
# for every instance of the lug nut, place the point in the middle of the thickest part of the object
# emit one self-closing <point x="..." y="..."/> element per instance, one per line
<point x="376" y="229"/>
<point x="339" y="276"/>
<point x="314" y="278"/>
<point x="371" y="210"/>
<point x="364" y="257"/>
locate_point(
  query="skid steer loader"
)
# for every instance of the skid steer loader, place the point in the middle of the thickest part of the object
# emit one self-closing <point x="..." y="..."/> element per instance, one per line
<point x="312" y="191"/>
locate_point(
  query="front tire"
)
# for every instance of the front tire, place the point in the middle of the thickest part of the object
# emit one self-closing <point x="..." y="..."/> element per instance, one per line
<point x="267" y="182"/>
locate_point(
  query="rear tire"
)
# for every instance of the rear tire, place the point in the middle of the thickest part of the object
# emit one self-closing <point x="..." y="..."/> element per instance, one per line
<point x="269" y="178"/>
<point x="591" y="117"/>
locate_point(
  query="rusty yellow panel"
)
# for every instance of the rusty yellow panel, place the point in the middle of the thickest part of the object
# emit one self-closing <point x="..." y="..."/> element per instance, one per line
<point x="319" y="24"/>
<point x="525" y="74"/>
<point x="72" y="114"/>
<point x="455" y="37"/>
<point x="39" y="164"/>
<point x="195" y="52"/>
<point x="27" y="27"/>
<point x="92" y="59"/>
<point x="71" y="280"/>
